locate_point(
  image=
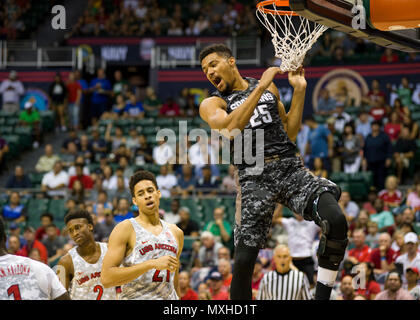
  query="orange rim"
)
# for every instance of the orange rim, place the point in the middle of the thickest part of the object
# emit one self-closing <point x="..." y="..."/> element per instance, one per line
<point x="278" y="3"/>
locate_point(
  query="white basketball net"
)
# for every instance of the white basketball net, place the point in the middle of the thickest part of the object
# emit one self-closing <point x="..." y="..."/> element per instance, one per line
<point x="290" y="42"/>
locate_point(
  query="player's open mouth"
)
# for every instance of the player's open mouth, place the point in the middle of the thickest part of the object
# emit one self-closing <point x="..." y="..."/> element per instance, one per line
<point x="150" y="204"/>
<point x="217" y="81"/>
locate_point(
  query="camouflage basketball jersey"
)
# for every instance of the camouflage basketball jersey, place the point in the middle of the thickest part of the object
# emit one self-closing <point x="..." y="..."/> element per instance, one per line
<point x="22" y="278"/>
<point x="154" y="284"/>
<point x="86" y="283"/>
<point x="266" y="116"/>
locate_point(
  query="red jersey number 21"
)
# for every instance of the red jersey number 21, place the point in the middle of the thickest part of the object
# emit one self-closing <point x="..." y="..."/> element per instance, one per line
<point x="157" y="278"/>
<point x="15" y="291"/>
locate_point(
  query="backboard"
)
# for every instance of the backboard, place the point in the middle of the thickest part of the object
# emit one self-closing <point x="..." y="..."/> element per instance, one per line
<point x="338" y="15"/>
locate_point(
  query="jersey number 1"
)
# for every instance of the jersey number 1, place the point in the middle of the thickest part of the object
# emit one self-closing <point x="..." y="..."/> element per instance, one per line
<point x="15" y="291"/>
<point x="156" y="277"/>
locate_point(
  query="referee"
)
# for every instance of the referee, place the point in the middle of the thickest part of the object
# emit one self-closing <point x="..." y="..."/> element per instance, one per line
<point x="283" y="283"/>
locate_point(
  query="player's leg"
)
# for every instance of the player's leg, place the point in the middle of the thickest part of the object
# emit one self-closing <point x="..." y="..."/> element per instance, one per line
<point x="254" y="210"/>
<point x="316" y="199"/>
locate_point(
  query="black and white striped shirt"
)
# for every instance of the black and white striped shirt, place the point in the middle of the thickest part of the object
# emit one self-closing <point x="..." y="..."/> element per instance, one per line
<point x="292" y="285"/>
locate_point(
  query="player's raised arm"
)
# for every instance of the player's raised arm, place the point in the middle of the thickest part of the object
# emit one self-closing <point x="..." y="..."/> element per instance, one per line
<point x="112" y="274"/>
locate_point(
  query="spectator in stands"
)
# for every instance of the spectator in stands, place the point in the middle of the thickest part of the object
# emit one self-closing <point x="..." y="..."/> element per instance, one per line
<point x="347" y="289"/>
<point x="18" y="180"/>
<point x="163" y="153"/>
<point x="341" y="118"/>
<point x="58" y="96"/>
<point x="102" y="200"/>
<point x="133" y="109"/>
<point x="35" y="254"/>
<point x="369" y="205"/>
<point x="393" y="126"/>
<point x="217" y="290"/>
<point x="378" y="111"/>
<point x="14" y="230"/>
<point x="46" y="219"/>
<point x="31" y="243"/>
<point x="107" y="174"/>
<point x="98" y="145"/>
<point x="373" y="94"/>
<point x="86" y="149"/>
<point x="327" y="45"/>
<point x="339" y="56"/>
<point x="144" y="153"/>
<point x="170" y="108"/>
<point x="391" y="195"/>
<point x="416" y="94"/>
<point x="47" y="161"/>
<point x="203" y="292"/>
<point x="132" y="141"/>
<point x="207" y="254"/>
<point x="326" y="103"/>
<point x="186" y="224"/>
<point x="14" y="211"/>
<point x="351" y="150"/>
<point x="201" y="153"/>
<point x="394" y="290"/>
<point x="389" y="56"/>
<point x="224" y="267"/>
<point x="412" y="125"/>
<point x="320" y="142"/>
<point x="410" y="259"/>
<point x="412" y="275"/>
<point x="173" y="215"/>
<point x="186" y="181"/>
<point x="13" y="246"/>
<point x="361" y="251"/>
<point x="373" y="233"/>
<point x="78" y="193"/>
<point x="120" y="86"/>
<point x="400" y="109"/>
<point x="86" y="180"/>
<point x="363" y="124"/>
<point x="361" y="222"/>
<point x="74" y="98"/>
<point x="208" y="184"/>
<point x="151" y="103"/>
<point x="116" y="138"/>
<point x="187" y="293"/>
<point x="404" y="151"/>
<point x="101" y="89"/>
<point x="30" y="118"/>
<point x="53" y="243"/>
<point x="166" y="182"/>
<point x="55" y="181"/>
<point x="382" y="217"/>
<point x="257" y="276"/>
<point x="103" y="229"/>
<point x="220" y="227"/>
<point x="377" y="153"/>
<point x="122" y="211"/>
<point x="229" y="185"/>
<point x="124" y="165"/>
<point x="413" y="198"/>
<point x="72" y="137"/>
<point x="68" y="158"/>
<point x="404" y="92"/>
<point x="11" y="89"/>
<point x="349" y="207"/>
<point x="371" y="288"/>
<point x="79" y="161"/>
<point x="383" y="258"/>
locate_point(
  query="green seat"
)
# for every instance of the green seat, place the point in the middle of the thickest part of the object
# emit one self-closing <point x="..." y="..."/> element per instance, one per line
<point x="164" y="122"/>
<point x="57" y="207"/>
<point x="36" y="207"/>
<point x="6" y="130"/>
<point x="165" y="204"/>
<point x="149" y="130"/>
<point x="36" y="178"/>
<point x="338" y="177"/>
<point x="188" y="242"/>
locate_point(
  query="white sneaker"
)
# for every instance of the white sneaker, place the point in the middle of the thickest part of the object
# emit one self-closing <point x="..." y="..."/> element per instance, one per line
<point x="35" y="145"/>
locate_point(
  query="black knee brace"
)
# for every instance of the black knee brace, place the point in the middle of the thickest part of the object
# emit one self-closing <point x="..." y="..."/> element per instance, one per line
<point x="333" y="243"/>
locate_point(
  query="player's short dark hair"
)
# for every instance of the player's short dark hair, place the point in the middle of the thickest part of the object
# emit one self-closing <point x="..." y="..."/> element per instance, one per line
<point x="139" y="176"/>
<point x="78" y="214"/>
<point x="48" y="215"/>
<point x="221" y="49"/>
<point x="2" y="231"/>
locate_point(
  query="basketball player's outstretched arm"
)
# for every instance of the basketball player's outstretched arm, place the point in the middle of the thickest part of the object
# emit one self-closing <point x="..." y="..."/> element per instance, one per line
<point x="294" y="117"/>
<point x="112" y="274"/>
<point x="212" y="110"/>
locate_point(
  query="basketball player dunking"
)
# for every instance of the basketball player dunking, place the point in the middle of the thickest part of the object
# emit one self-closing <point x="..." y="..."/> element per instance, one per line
<point x="147" y="247"/>
<point x="82" y="264"/>
<point x="246" y="103"/>
<point x="22" y="278"/>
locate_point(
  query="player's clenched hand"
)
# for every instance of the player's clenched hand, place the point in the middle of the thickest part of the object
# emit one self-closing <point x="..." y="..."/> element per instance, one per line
<point x="268" y="76"/>
<point x="297" y="79"/>
<point x="166" y="262"/>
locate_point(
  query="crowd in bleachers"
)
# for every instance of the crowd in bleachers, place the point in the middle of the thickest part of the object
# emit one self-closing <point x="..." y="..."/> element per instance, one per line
<point x="92" y="168"/>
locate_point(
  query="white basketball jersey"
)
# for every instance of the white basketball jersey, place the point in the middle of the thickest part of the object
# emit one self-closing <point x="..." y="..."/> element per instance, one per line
<point x="86" y="283"/>
<point x="22" y="278"/>
<point x="154" y="284"/>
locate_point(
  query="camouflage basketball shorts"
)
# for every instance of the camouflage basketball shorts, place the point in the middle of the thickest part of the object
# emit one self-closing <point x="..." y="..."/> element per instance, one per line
<point x="284" y="181"/>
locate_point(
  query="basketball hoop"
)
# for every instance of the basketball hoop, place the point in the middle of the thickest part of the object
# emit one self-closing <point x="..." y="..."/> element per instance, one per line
<point x="292" y="35"/>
